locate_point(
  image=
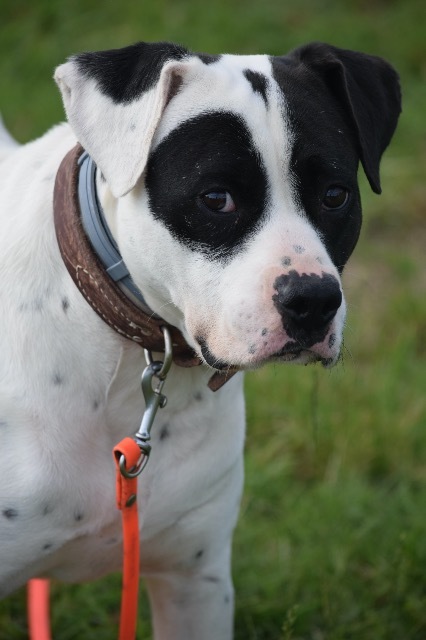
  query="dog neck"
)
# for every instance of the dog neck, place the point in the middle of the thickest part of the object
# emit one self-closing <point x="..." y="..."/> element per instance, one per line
<point x="96" y="267"/>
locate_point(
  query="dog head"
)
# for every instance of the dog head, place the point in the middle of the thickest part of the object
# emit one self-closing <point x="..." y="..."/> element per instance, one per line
<point x="231" y="185"/>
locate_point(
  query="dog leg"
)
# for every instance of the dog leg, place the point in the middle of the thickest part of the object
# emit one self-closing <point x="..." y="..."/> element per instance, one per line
<point x="188" y="606"/>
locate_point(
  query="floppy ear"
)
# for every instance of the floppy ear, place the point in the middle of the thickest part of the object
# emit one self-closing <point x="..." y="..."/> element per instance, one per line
<point x="114" y="101"/>
<point x="368" y="89"/>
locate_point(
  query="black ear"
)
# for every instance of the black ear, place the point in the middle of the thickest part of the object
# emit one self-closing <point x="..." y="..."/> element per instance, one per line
<point x="368" y="89"/>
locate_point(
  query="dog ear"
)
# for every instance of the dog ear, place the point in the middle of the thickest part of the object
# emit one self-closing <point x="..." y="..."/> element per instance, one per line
<point x="369" y="90"/>
<point x="114" y="101"/>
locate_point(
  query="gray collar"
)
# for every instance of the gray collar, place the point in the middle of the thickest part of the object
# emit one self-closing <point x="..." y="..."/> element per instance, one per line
<point x="99" y="234"/>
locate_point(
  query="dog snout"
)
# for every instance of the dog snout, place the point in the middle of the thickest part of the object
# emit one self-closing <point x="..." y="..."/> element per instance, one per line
<point x="307" y="303"/>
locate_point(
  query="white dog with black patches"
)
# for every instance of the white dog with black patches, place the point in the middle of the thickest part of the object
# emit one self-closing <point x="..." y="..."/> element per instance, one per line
<point x="229" y="185"/>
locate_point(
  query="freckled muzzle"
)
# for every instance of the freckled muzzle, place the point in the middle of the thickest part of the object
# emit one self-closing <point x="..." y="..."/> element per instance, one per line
<point x="307" y="305"/>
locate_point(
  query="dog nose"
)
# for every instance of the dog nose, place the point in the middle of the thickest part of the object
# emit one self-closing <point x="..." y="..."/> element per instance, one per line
<point x="307" y="302"/>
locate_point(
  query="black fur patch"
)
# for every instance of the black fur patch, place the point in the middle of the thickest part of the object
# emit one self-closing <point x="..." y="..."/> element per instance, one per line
<point x="209" y="153"/>
<point x="125" y="74"/>
<point x="258" y="82"/>
<point x="207" y="58"/>
<point x="325" y="153"/>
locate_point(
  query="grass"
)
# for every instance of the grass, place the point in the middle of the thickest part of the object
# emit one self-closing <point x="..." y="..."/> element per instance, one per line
<point x="331" y="543"/>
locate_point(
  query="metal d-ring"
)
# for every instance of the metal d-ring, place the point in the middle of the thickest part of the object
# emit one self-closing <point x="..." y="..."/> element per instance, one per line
<point x="168" y="355"/>
<point x="137" y="469"/>
<point x="154" y="400"/>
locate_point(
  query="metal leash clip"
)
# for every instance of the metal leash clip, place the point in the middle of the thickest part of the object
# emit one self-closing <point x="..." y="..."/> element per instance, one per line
<point x="154" y="400"/>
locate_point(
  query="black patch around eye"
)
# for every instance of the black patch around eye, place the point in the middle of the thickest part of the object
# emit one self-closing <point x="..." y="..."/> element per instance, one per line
<point x="258" y="82"/>
<point x="325" y="152"/>
<point x="211" y="152"/>
<point x="125" y="74"/>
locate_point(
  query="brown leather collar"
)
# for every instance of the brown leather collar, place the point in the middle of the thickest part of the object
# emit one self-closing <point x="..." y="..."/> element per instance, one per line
<point x="98" y="288"/>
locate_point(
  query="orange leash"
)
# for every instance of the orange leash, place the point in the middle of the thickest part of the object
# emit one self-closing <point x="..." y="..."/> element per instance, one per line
<point x="38" y="609"/>
<point x="126" y="497"/>
<point x="127" y="503"/>
<point x="130" y="456"/>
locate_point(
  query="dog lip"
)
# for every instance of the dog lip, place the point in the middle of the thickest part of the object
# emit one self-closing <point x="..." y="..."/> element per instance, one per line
<point x="209" y="357"/>
<point x="289" y="349"/>
<point x="290" y="352"/>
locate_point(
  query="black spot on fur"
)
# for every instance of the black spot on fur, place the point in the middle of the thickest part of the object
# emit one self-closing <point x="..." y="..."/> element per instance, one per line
<point x="298" y="248"/>
<point x="258" y="82"/>
<point x="47" y="509"/>
<point x="219" y="156"/>
<point x="199" y="554"/>
<point x="95" y="404"/>
<point x="252" y="349"/>
<point x="125" y="74"/>
<point x="213" y="579"/>
<point x="286" y="262"/>
<point x="198" y="396"/>
<point x="78" y="516"/>
<point x="57" y="379"/>
<point x="47" y="546"/>
<point x="264" y="331"/>
<point x="207" y="58"/>
<point x="34" y="305"/>
<point x="10" y="513"/>
<point x="65" y="304"/>
<point x="332" y="340"/>
<point x="165" y="432"/>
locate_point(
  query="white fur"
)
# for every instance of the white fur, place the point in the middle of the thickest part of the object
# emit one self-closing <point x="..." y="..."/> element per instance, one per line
<point x="7" y="143"/>
<point x="69" y="385"/>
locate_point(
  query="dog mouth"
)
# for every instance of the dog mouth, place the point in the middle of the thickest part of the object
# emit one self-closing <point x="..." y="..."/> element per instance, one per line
<point x="290" y="352"/>
<point x="302" y="356"/>
<point x="210" y="358"/>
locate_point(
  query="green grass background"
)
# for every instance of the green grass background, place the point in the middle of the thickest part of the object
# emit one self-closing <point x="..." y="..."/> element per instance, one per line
<point x="331" y="542"/>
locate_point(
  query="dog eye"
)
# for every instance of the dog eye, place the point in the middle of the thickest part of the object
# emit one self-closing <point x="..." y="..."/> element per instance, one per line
<point x="218" y="201"/>
<point x="336" y="197"/>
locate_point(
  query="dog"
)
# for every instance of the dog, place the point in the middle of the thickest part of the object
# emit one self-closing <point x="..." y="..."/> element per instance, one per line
<point x="229" y="187"/>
